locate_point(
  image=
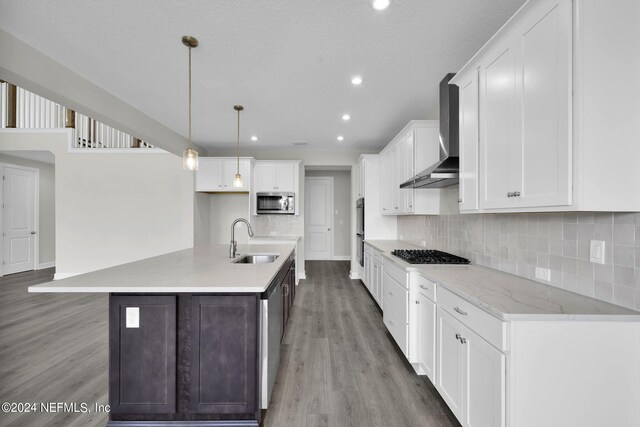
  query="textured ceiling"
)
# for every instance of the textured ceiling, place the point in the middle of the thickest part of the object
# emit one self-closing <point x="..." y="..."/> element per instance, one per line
<point x="288" y="62"/>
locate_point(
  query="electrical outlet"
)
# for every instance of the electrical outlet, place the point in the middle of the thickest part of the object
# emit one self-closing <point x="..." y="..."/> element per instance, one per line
<point x="597" y="251"/>
<point x="132" y="315"/>
<point x="543" y="274"/>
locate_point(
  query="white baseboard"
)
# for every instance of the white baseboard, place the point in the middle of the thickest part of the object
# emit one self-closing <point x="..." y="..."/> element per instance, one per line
<point x="341" y="258"/>
<point x="59" y="276"/>
<point x="44" y="265"/>
<point x="354" y="275"/>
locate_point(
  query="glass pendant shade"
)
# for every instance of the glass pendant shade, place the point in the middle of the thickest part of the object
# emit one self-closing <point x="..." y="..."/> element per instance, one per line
<point x="190" y="159"/>
<point x="237" y="181"/>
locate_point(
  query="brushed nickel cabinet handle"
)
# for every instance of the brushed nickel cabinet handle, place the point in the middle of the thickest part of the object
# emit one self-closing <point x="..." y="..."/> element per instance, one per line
<point x="457" y="309"/>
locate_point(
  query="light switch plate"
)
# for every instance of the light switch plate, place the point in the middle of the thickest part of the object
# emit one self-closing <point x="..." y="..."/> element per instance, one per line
<point x="597" y="251"/>
<point x="132" y="315"/>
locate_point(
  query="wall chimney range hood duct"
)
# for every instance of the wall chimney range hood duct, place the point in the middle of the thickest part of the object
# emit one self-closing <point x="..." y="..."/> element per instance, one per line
<point x="446" y="171"/>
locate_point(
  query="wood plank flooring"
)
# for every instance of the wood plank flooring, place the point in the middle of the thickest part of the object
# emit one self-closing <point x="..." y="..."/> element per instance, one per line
<point x="53" y="348"/>
<point x="339" y="366"/>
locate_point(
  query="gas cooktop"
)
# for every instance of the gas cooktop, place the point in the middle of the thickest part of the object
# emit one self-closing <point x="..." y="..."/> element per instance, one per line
<point x="428" y="256"/>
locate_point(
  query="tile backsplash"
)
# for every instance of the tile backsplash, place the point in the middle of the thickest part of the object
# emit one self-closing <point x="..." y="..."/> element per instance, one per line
<point x="518" y="243"/>
<point x="278" y="225"/>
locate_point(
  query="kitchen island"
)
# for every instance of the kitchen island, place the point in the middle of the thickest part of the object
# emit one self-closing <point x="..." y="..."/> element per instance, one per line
<point x="185" y="333"/>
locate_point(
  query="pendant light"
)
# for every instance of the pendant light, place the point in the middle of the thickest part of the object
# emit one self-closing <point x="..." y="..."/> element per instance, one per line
<point x="190" y="156"/>
<point x="237" y="181"/>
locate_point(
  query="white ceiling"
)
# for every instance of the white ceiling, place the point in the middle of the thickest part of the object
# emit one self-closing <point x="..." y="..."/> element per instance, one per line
<point x="288" y="62"/>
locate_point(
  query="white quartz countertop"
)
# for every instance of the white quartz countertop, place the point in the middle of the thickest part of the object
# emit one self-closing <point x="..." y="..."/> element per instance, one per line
<point x="196" y="270"/>
<point x="291" y="238"/>
<point x="507" y="296"/>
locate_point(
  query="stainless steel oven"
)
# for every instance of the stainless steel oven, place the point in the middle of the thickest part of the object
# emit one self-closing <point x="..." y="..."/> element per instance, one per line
<point x="275" y="203"/>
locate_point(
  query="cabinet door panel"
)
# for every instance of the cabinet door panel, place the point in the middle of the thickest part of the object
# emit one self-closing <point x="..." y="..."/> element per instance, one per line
<point x="450" y="370"/>
<point x="469" y="142"/>
<point x="142" y="371"/>
<point x="485" y="391"/>
<point x="209" y="175"/>
<point x="427" y="335"/>
<point x="285" y="177"/>
<point x="265" y="177"/>
<point x="501" y="141"/>
<point x="224" y="325"/>
<point x="545" y="39"/>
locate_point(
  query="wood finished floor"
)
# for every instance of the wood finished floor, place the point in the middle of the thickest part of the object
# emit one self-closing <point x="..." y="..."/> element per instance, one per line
<point x="339" y="366"/>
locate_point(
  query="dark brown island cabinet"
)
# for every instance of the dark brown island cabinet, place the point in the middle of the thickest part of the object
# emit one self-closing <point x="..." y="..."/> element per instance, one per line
<point x="189" y="359"/>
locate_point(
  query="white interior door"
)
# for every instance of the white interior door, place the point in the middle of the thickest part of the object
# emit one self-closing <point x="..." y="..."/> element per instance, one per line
<point x="318" y="218"/>
<point x="19" y="219"/>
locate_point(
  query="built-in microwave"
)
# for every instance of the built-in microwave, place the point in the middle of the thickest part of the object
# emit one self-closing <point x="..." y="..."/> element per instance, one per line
<point x="275" y="203"/>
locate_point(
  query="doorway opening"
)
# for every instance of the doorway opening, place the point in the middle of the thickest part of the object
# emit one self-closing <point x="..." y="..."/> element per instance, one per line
<point x="327" y="213"/>
<point x="27" y="218"/>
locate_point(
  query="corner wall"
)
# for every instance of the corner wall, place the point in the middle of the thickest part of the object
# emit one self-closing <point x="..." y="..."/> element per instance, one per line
<point x="112" y="208"/>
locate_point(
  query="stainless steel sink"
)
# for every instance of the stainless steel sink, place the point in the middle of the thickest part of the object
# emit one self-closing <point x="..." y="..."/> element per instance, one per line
<point x="256" y="259"/>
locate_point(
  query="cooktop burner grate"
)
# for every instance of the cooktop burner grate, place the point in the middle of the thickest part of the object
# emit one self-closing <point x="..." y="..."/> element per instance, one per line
<point x="428" y="256"/>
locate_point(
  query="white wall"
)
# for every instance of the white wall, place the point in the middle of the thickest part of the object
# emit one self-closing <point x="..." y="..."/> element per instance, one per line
<point x="201" y="219"/>
<point x="112" y="208"/>
<point x="341" y="210"/>
<point x="225" y="208"/>
<point x="46" y="202"/>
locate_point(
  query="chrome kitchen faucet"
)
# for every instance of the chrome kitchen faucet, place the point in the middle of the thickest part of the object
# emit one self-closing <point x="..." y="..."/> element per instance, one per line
<point x="234" y="244"/>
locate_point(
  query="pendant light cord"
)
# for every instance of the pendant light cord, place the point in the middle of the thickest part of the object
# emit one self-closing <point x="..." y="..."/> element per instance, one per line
<point x="238" y="146"/>
<point x="189" y="96"/>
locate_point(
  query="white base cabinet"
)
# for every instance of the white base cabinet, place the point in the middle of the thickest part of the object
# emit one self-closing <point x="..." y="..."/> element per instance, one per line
<point x="373" y="272"/>
<point x="471" y="374"/>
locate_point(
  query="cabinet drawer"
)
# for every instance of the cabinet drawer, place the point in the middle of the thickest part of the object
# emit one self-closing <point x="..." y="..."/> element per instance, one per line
<point x="488" y="327"/>
<point x="395" y="297"/>
<point x="398" y="328"/>
<point x="424" y="286"/>
<point x="399" y="274"/>
<point x="377" y="255"/>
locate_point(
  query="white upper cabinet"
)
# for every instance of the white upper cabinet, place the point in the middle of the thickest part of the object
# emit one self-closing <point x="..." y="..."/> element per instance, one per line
<point x="555" y="127"/>
<point x="525" y="98"/>
<point x="468" y="119"/>
<point x="276" y="176"/>
<point x="411" y="151"/>
<point x="216" y="174"/>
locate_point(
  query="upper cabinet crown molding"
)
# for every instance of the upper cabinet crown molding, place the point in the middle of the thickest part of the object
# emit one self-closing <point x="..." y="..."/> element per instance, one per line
<point x="549" y="127"/>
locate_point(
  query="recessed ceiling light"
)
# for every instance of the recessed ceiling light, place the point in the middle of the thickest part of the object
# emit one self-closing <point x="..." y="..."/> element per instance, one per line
<point x="380" y="4"/>
<point x="346" y="117"/>
<point x="254" y="138"/>
<point x="356" y="80"/>
<point x="341" y="138"/>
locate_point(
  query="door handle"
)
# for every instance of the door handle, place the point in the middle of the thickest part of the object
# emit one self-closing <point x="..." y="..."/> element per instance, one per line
<point x="328" y="229"/>
<point x="33" y="232"/>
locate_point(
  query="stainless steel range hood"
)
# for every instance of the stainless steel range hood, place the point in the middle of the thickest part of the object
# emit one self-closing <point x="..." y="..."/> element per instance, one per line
<point x="446" y="171"/>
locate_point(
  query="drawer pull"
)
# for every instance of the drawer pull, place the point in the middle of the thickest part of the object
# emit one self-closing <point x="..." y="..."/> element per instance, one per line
<point x="457" y="309"/>
<point x="458" y="336"/>
<point x="417" y="302"/>
<point x="424" y="287"/>
<point x="463" y="340"/>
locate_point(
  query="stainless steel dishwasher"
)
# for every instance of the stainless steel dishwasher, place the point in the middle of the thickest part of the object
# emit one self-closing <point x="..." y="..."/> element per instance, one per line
<point x="271" y="330"/>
